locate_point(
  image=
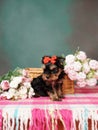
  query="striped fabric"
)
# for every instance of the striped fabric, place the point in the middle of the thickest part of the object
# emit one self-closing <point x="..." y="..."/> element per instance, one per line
<point x="0" y="119"/>
<point x="74" y="112"/>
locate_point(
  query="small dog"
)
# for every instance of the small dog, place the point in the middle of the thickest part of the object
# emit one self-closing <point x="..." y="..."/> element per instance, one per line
<point x="49" y="83"/>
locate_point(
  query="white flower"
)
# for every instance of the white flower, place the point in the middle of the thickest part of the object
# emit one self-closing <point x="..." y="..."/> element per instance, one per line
<point x="15" y="82"/>
<point x="26" y="79"/>
<point x="24" y="96"/>
<point x="86" y="67"/>
<point x="5" y="85"/>
<point x="77" y="66"/>
<point x="9" y="94"/>
<point x="81" y="76"/>
<point x="81" y="83"/>
<point x="93" y="64"/>
<point x="91" y="82"/>
<point x="68" y="67"/>
<point x="25" y="73"/>
<point x="12" y="91"/>
<point x="81" y="69"/>
<point x="31" y="92"/>
<point x="27" y="84"/>
<point x="20" y="96"/>
<point x="5" y="95"/>
<point x="23" y="90"/>
<point x="72" y="74"/>
<point x="81" y="56"/>
<point x="70" y="59"/>
<point x="19" y="86"/>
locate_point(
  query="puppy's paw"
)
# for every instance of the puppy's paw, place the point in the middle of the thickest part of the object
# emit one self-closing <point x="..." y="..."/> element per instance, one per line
<point x="59" y="99"/>
<point x="56" y="99"/>
<point x="61" y="96"/>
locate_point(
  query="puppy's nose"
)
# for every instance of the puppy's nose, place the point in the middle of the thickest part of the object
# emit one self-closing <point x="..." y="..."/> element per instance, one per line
<point x="47" y="76"/>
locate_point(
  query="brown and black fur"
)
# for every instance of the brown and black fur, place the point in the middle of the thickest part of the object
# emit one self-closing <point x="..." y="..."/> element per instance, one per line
<point x="49" y="83"/>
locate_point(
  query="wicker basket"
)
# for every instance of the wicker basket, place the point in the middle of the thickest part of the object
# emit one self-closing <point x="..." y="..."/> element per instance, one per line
<point x="34" y="72"/>
<point x="68" y="85"/>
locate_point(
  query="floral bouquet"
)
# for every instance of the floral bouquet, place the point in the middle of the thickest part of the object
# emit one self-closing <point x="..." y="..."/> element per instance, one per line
<point x="81" y="69"/>
<point x="16" y="85"/>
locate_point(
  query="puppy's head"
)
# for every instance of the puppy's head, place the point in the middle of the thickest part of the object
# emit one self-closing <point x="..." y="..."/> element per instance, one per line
<point x="52" y="67"/>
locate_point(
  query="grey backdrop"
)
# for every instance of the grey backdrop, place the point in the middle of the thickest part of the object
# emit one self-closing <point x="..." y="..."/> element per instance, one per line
<point x="30" y="29"/>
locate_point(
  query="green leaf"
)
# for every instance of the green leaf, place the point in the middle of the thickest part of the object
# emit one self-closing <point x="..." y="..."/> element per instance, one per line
<point x="14" y="73"/>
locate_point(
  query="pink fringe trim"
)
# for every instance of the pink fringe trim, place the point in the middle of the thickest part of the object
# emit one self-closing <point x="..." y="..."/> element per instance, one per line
<point x="0" y="119"/>
<point x="67" y="118"/>
<point x="45" y="120"/>
<point x="38" y="119"/>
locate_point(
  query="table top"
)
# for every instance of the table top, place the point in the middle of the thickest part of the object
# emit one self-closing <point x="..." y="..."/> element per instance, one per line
<point x="79" y="107"/>
<point x="68" y="101"/>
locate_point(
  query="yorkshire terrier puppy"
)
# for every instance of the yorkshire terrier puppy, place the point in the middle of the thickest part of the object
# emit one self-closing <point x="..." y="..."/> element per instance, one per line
<point x="49" y="83"/>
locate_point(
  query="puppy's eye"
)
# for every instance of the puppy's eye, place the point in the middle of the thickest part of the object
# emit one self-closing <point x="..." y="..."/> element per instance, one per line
<point x="46" y="72"/>
<point x="55" y="70"/>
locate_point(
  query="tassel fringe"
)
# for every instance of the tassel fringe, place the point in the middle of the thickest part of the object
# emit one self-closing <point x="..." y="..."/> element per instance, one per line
<point x="48" y="119"/>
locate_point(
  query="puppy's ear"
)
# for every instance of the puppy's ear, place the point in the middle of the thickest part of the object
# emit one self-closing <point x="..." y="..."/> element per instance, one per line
<point x="42" y="60"/>
<point x="61" y="62"/>
<point x="43" y="66"/>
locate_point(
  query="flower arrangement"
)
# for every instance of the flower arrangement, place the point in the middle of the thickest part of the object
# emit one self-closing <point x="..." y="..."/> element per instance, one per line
<point x="16" y="85"/>
<point x="81" y="69"/>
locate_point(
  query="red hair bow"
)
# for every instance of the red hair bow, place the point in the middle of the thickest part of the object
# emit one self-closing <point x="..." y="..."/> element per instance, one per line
<point x="49" y="59"/>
